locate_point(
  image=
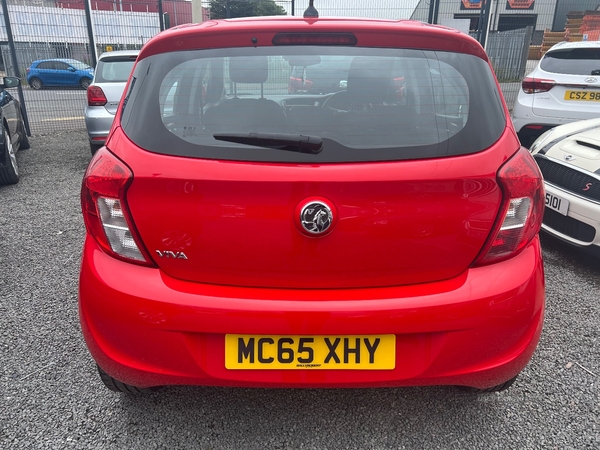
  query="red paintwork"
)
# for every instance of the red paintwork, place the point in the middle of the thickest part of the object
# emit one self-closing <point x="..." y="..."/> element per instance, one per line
<point x="399" y="223"/>
<point x="370" y="33"/>
<point x="477" y="329"/>
<point x="404" y="267"/>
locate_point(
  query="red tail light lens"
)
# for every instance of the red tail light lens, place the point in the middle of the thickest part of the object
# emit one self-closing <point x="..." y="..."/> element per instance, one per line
<point x="105" y="210"/>
<point x="521" y="212"/>
<point x="535" y="85"/>
<point x="95" y="96"/>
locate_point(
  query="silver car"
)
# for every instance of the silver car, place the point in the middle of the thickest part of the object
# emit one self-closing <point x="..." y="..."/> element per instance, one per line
<point x="105" y="92"/>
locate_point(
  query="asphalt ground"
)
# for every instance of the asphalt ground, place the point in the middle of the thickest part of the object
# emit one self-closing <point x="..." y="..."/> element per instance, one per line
<point x="51" y="396"/>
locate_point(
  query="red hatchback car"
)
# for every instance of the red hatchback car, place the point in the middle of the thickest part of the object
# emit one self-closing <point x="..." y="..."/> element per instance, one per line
<point x="242" y="235"/>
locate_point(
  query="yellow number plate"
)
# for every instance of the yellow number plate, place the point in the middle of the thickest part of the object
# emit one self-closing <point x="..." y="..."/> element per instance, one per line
<point x="364" y="352"/>
<point x="590" y="96"/>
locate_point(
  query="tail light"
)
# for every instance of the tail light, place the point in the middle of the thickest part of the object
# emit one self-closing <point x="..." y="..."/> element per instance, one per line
<point x="105" y="212"/>
<point x="95" y="96"/>
<point x="535" y="85"/>
<point x="27" y="70"/>
<point x="521" y="212"/>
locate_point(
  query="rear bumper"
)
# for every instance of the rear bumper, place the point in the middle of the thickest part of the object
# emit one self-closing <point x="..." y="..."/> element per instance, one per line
<point x="98" y="122"/>
<point x="524" y="114"/>
<point x="147" y="329"/>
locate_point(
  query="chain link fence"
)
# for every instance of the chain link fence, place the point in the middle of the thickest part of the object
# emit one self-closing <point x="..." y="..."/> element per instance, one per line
<point x="516" y="34"/>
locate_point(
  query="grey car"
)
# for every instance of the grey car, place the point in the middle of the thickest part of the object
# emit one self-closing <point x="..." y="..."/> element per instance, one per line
<point x="105" y="92"/>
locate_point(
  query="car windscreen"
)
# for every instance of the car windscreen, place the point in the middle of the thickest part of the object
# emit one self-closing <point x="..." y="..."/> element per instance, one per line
<point x="386" y="104"/>
<point x="574" y="61"/>
<point x="78" y="64"/>
<point x="114" y="70"/>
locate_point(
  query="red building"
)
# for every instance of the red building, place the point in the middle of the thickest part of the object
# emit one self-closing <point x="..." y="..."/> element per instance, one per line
<point x="179" y="11"/>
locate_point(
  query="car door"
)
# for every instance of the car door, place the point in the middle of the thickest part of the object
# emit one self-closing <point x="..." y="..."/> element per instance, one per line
<point x="65" y="74"/>
<point x="46" y="72"/>
<point x="9" y="112"/>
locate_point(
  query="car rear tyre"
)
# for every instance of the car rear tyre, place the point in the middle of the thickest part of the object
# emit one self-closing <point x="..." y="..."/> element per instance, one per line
<point x="94" y="148"/>
<point x="24" y="143"/>
<point x="85" y="82"/>
<point x="498" y="388"/>
<point x="36" y="83"/>
<point x="118" y="386"/>
<point x="9" y="173"/>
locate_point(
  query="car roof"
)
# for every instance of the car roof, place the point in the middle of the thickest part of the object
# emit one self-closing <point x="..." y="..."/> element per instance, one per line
<point x="234" y="33"/>
<point x="119" y="53"/>
<point x="568" y="45"/>
<point x="65" y="60"/>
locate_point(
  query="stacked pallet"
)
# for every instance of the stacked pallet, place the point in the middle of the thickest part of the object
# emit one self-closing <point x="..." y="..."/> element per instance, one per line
<point x="590" y="25"/>
<point x="551" y="38"/>
<point x="578" y="24"/>
<point x="574" y="21"/>
<point x="534" y="52"/>
<point x="573" y="26"/>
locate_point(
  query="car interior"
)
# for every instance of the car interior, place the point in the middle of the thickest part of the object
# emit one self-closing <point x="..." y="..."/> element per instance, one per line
<point x="383" y="99"/>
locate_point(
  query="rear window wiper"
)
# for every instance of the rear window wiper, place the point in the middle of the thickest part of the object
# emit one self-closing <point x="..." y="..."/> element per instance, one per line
<point x="300" y="143"/>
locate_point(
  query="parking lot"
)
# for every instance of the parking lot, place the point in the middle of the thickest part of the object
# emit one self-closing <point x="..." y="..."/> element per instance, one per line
<point x="52" y="397"/>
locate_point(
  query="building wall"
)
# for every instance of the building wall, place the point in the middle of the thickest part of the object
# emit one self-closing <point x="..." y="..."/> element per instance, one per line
<point x="542" y="11"/>
<point x="564" y="7"/>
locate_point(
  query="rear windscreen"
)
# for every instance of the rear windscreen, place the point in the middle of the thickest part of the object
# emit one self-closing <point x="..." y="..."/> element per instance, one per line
<point x="114" y="69"/>
<point x="576" y="61"/>
<point x="364" y="104"/>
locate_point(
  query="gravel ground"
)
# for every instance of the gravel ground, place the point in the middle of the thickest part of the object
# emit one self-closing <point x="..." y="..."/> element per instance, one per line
<point x="52" y="398"/>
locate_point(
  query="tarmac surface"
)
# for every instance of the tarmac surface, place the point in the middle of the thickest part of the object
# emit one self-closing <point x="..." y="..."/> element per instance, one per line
<point x="51" y="396"/>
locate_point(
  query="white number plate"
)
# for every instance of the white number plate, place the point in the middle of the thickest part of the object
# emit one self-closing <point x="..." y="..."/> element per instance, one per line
<point x="557" y="203"/>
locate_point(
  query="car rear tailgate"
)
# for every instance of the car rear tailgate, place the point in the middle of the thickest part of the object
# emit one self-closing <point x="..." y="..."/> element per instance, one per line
<point x="577" y="94"/>
<point x="235" y="223"/>
<point x="113" y="93"/>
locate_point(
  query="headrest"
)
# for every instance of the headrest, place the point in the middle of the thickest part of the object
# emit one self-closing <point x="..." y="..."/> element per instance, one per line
<point x="370" y="79"/>
<point x="254" y="69"/>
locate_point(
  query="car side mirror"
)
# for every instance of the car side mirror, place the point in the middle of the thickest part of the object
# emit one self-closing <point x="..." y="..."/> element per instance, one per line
<point x="10" y="82"/>
<point x="71" y="69"/>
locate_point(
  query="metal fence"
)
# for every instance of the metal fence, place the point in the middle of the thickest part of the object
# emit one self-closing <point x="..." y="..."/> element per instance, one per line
<point x="82" y="29"/>
<point x="508" y="52"/>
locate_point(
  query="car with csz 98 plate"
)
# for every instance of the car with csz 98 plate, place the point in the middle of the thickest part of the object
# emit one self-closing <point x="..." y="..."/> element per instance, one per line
<point x="563" y="88"/>
<point x="239" y="234"/>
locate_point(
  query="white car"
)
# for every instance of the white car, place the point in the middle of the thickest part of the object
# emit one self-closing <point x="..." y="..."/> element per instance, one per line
<point x="563" y="88"/>
<point x="569" y="158"/>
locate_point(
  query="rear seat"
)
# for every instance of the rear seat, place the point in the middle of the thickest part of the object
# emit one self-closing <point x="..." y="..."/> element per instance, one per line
<point x="241" y="114"/>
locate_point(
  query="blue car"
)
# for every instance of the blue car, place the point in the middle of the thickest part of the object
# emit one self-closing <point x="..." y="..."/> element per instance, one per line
<point x="59" y="73"/>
